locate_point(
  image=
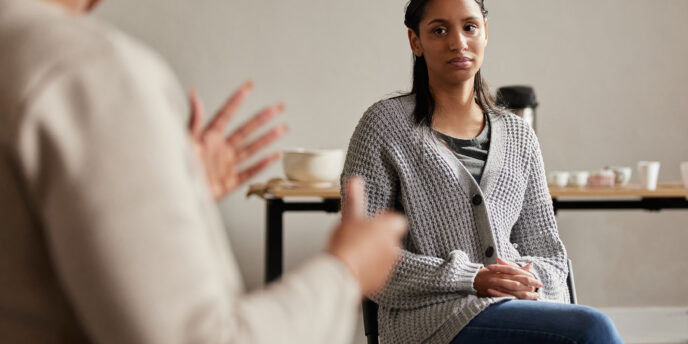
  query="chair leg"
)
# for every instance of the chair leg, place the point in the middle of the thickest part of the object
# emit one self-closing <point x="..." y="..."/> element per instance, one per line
<point x="370" y="321"/>
<point x="571" y="284"/>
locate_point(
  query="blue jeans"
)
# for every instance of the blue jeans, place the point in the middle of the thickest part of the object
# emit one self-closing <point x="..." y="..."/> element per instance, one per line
<point x="533" y="322"/>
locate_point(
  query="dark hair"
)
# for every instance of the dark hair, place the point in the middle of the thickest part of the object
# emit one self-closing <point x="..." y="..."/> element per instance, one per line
<point x="425" y="103"/>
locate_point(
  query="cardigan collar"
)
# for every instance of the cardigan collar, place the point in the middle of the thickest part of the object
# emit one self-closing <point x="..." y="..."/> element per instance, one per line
<point x="495" y="155"/>
<point x="493" y="165"/>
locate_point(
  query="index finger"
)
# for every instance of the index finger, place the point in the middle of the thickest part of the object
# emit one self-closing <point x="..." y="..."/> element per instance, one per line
<point x="507" y="269"/>
<point x="355" y="202"/>
<point x="227" y="111"/>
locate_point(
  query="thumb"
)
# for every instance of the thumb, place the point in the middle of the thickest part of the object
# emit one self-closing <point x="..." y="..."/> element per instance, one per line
<point x="354" y="200"/>
<point x="196" y="113"/>
<point x="393" y="222"/>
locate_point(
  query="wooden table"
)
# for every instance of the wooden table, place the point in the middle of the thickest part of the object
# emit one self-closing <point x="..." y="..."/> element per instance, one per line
<point x="305" y="197"/>
<point x="666" y="196"/>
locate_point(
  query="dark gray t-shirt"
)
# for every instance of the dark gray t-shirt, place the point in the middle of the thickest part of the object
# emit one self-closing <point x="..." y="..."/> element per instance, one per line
<point x="473" y="152"/>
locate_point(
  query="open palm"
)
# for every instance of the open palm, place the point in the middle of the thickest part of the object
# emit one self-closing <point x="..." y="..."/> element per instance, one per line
<point x="222" y="155"/>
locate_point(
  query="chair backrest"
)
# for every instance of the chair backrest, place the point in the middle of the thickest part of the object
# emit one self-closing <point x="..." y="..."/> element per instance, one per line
<point x="370" y="309"/>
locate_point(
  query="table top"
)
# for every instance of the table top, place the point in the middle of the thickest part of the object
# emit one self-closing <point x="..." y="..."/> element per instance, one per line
<point x="664" y="190"/>
<point x="279" y="188"/>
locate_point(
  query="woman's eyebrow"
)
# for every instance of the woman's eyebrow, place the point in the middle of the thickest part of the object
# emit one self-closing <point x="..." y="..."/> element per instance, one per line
<point x="441" y="20"/>
<point x="438" y="20"/>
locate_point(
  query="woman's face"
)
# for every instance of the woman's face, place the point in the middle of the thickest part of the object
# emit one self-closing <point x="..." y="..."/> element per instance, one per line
<point x="452" y="37"/>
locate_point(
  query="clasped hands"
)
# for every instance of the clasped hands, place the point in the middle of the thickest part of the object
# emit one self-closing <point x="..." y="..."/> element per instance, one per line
<point x="507" y="279"/>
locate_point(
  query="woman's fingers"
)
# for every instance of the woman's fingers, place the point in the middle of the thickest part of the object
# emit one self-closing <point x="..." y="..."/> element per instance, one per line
<point x="496" y="293"/>
<point x="529" y="281"/>
<point x="507" y="269"/>
<point x="523" y="279"/>
<point x="506" y="262"/>
<point x="508" y="285"/>
<point x="526" y="295"/>
<point x="253" y="124"/>
<point x="510" y="263"/>
<point x="260" y="143"/>
<point x="219" y="123"/>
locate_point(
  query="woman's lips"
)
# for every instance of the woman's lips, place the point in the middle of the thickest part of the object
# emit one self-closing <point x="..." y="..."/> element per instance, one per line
<point x="461" y="62"/>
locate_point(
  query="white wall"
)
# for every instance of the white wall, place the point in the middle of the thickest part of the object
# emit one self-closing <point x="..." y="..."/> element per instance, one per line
<point x="610" y="76"/>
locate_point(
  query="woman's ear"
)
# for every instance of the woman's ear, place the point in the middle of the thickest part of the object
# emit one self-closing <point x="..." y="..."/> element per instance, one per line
<point x="485" y="31"/>
<point x="414" y="41"/>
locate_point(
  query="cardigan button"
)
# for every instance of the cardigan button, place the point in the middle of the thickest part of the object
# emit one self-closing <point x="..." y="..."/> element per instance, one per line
<point x="477" y="200"/>
<point x="489" y="252"/>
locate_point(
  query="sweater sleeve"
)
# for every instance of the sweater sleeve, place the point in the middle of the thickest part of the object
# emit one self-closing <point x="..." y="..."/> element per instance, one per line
<point x="535" y="232"/>
<point x="417" y="279"/>
<point x="134" y="236"/>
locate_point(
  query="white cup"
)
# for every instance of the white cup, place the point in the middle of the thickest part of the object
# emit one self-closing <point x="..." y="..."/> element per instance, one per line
<point x="558" y="178"/>
<point x="684" y="173"/>
<point x="579" y="178"/>
<point x="648" y="171"/>
<point x="622" y="174"/>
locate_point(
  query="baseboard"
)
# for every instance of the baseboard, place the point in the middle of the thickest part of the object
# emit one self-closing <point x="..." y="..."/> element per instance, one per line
<point x="651" y="325"/>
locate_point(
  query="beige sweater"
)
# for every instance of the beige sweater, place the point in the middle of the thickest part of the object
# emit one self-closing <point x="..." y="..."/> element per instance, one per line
<point x="107" y="230"/>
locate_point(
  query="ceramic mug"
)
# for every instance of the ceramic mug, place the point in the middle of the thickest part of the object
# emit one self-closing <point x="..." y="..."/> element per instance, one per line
<point x="648" y="171"/>
<point x="579" y="178"/>
<point x="558" y="178"/>
<point x="622" y="174"/>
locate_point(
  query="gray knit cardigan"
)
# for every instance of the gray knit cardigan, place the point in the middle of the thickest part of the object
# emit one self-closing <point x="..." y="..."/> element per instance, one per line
<point x="456" y="226"/>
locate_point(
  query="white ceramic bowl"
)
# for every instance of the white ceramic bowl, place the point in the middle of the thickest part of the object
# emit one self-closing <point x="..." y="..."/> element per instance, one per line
<point x="313" y="165"/>
<point x="558" y="178"/>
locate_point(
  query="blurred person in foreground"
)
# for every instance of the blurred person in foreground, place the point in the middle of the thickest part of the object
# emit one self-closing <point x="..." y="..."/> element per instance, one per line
<point x="109" y="230"/>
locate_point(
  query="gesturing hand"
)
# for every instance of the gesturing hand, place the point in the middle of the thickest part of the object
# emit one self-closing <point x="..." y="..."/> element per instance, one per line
<point x="368" y="247"/>
<point x="222" y="155"/>
<point x="507" y="279"/>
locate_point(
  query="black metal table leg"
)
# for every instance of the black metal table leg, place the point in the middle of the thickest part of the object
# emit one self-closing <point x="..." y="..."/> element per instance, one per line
<point x="274" y="240"/>
<point x="274" y="237"/>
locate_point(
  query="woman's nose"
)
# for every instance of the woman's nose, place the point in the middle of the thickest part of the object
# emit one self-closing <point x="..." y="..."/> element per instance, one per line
<point x="458" y="42"/>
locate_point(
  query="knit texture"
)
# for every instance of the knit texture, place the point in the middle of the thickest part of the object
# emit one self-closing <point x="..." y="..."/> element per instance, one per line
<point x="456" y="226"/>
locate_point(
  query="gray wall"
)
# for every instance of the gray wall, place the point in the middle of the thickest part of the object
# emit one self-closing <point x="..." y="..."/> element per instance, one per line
<point x="610" y="76"/>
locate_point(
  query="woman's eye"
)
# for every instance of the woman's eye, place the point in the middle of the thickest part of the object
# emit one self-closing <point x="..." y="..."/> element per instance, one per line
<point x="470" y="27"/>
<point x="440" y="31"/>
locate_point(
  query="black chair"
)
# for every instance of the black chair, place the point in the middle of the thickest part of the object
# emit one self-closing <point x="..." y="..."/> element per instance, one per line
<point x="370" y="309"/>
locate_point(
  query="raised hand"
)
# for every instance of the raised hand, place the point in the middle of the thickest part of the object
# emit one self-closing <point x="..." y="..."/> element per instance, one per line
<point x="368" y="247"/>
<point x="223" y="155"/>
<point x="507" y="279"/>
